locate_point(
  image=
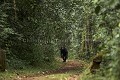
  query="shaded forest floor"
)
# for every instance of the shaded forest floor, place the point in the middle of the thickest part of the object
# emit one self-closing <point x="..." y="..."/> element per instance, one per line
<point x="67" y="71"/>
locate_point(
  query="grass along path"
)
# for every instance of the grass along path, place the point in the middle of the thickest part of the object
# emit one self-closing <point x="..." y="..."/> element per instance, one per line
<point x="68" y="71"/>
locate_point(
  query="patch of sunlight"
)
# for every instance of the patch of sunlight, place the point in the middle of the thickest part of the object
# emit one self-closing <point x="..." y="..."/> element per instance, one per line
<point x="62" y="76"/>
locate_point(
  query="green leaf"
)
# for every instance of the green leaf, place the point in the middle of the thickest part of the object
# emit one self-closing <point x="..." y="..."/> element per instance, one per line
<point x="117" y="6"/>
<point x="119" y="24"/>
<point x="95" y="1"/>
<point x="97" y="9"/>
<point x="113" y="3"/>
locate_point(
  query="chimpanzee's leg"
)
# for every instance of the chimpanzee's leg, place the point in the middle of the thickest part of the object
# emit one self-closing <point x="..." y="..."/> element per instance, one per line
<point x="64" y="59"/>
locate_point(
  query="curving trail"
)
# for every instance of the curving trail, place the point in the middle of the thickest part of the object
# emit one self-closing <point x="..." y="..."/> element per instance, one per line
<point x="73" y="66"/>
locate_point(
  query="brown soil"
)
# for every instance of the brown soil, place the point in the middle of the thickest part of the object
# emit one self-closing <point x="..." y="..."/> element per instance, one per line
<point x="70" y="65"/>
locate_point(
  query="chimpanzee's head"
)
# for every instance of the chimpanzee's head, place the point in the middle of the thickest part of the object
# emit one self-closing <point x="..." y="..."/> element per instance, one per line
<point x="63" y="47"/>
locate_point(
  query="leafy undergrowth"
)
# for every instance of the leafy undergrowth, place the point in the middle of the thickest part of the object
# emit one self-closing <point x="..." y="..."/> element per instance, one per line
<point x="71" y="70"/>
<point x="10" y="74"/>
<point x="99" y="75"/>
<point x="86" y="75"/>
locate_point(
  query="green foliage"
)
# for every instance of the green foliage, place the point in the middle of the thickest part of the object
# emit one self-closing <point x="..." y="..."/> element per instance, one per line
<point x="14" y="63"/>
<point x="114" y="55"/>
<point x="107" y="31"/>
<point x="97" y="9"/>
<point x="3" y="32"/>
<point x="32" y="31"/>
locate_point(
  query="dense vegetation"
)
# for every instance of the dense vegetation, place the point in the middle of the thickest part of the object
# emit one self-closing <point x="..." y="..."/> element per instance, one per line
<point x="32" y="32"/>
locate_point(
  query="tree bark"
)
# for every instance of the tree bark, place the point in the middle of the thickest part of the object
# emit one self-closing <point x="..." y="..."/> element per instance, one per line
<point x="15" y="13"/>
<point x="2" y="60"/>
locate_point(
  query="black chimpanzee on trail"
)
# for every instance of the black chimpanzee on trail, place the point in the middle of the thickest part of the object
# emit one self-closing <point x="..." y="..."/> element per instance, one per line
<point x="64" y="53"/>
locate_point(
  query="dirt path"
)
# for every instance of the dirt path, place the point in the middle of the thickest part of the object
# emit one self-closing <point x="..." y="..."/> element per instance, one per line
<point x="73" y="66"/>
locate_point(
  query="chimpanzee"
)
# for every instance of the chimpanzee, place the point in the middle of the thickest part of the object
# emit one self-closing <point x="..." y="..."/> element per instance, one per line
<point x="64" y="53"/>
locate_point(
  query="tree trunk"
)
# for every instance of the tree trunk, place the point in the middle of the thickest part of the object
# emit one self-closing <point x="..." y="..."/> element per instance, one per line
<point x="87" y="46"/>
<point x="15" y="13"/>
<point x="2" y="60"/>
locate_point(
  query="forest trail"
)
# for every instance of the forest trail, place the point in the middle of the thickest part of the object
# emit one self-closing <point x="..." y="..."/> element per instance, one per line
<point x="68" y="71"/>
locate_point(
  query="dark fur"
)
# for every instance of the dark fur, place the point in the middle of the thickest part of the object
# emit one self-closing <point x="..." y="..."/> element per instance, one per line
<point x="64" y="53"/>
